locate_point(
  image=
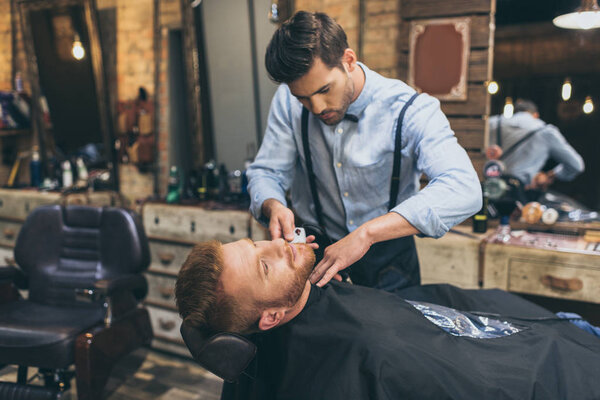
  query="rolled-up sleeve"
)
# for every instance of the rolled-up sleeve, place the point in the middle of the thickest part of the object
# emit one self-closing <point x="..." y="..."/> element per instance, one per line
<point x="271" y="173"/>
<point x="454" y="192"/>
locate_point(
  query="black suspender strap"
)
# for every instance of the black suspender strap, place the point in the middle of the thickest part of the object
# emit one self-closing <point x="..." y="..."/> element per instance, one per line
<point x="309" y="168"/>
<point x="499" y="132"/>
<point x="395" y="186"/>
<point x="520" y="142"/>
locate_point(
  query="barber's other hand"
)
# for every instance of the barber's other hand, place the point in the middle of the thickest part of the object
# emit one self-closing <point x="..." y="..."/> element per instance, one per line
<point x="281" y="220"/>
<point x="493" y="152"/>
<point x="339" y="256"/>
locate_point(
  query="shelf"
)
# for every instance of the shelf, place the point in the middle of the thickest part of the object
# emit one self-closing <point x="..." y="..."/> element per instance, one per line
<point x="14" y="132"/>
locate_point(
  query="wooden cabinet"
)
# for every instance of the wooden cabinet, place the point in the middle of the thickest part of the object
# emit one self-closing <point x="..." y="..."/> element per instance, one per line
<point x="173" y="230"/>
<point x="571" y="275"/>
<point x="453" y="258"/>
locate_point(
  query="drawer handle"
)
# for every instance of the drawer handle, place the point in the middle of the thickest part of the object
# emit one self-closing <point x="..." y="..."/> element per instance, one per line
<point x="568" y="285"/>
<point x="9" y="233"/>
<point x="166" y="292"/>
<point x="166" y="325"/>
<point x="166" y="258"/>
<point x="10" y="261"/>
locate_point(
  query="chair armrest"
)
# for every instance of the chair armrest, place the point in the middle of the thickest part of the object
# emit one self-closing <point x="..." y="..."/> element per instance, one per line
<point x="14" y="275"/>
<point x="135" y="284"/>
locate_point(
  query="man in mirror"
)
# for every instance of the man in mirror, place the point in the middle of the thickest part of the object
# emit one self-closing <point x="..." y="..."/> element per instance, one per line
<point x="343" y="341"/>
<point x="350" y="145"/>
<point x="524" y="143"/>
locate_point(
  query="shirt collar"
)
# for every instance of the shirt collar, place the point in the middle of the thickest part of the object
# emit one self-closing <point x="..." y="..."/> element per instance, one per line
<point x="364" y="98"/>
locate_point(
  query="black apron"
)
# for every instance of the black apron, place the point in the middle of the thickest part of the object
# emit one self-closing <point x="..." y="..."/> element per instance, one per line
<point x="389" y="265"/>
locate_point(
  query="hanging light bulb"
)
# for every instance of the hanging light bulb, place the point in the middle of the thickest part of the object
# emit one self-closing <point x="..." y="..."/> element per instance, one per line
<point x="585" y="17"/>
<point x="493" y="87"/>
<point x="78" y="50"/>
<point x="588" y="106"/>
<point x="509" y="109"/>
<point x="567" y="88"/>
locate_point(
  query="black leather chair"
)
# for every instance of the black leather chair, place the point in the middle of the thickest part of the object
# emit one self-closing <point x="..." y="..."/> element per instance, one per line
<point x="83" y="268"/>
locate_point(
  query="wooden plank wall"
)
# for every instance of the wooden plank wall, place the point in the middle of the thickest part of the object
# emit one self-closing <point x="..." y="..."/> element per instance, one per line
<point x="468" y="119"/>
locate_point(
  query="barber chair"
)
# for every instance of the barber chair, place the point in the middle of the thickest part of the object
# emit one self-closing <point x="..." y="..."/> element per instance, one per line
<point x="83" y="269"/>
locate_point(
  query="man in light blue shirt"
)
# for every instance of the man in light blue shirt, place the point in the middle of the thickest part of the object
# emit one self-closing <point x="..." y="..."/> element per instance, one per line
<point x="524" y="143"/>
<point x="354" y="115"/>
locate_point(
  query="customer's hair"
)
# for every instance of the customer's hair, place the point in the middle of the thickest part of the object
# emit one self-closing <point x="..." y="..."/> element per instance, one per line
<point x="525" y="105"/>
<point x="301" y="39"/>
<point x="201" y="300"/>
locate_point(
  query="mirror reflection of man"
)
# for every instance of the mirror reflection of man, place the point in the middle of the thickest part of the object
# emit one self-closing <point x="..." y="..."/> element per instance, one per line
<point x="335" y="117"/>
<point x="343" y="341"/>
<point x="524" y="143"/>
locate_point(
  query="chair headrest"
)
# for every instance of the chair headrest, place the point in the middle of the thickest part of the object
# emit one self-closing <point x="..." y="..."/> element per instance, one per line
<point x="226" y="355"/>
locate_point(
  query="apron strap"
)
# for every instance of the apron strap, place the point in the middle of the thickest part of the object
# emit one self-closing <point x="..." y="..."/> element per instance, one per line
<point x="395" y="185"/>
<point x="525" y="138"/>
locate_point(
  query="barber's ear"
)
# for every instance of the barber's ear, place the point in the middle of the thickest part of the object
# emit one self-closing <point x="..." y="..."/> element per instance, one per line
<point x="270" y="318"/>
<point x="349" y="58"/>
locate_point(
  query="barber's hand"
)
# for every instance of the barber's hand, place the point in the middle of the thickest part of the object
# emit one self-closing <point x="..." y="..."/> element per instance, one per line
<point x="541" y="181"/>
<point x="339" y="256"/>
<point x="281" y="220"/>
<point x="493" y="152"/>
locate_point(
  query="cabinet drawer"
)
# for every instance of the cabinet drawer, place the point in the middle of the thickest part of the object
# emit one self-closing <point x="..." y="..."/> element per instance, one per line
<point x="161" y="290"/>
<point x="17" y="204"/>
<point x="567" y="281"/>
<point x="193" y="224"/>
<point x="168" y="257"/>
<point x="165" y="324"/>
<point x="9" y="232"/>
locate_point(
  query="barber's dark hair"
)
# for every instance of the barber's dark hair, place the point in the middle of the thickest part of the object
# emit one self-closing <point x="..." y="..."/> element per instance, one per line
<point x="301" y="39"/>
<point x="525" y="105"/>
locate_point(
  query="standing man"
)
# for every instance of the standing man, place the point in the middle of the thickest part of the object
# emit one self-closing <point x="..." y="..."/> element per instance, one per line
<point x="524" y="143"/>
<point x="350" y="145"/>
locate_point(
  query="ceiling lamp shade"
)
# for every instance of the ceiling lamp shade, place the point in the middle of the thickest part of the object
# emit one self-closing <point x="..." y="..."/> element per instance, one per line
<point x="585" y="17"/>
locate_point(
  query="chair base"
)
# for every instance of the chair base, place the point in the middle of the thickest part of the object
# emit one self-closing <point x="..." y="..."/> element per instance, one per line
<point x="14" y="391"/>
<point x="97" y="350"/>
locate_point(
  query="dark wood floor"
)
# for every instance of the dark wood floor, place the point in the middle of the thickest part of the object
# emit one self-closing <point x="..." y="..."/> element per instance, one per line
<point x="146" y="374"/>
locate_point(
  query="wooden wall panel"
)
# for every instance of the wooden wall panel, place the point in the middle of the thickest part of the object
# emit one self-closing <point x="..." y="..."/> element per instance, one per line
<point x="467" y="118"/>
<point x="480" y="33"/>
<point x="436" y="8"/>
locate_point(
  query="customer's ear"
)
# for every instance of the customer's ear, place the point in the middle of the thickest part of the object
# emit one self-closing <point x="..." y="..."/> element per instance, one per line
<point x="270" y="318"/>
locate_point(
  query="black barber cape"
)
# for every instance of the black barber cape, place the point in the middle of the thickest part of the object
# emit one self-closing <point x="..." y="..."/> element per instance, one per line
<point x="352" y="342"/>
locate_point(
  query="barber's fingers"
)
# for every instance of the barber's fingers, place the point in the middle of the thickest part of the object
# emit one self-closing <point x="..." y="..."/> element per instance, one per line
<point x="329" y="274"/>
<point x="337" y="277"/>
<point x="310" y="241"/>
<point x="286" y="220"/>
<point x="274" y="229"/>
<point x="319" y="272"/>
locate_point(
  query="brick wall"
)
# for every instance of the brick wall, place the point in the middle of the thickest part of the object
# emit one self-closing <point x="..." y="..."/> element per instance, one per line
<point x="380" y="26"/>
<point x="5" y="46"/>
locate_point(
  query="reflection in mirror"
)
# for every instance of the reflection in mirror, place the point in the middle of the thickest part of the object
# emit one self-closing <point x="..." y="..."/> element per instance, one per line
<point x="533" y="59"/>
<point x="71" y="118"/>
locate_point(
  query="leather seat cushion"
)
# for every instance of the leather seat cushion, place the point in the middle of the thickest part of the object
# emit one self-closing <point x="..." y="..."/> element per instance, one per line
<point x="42" y="335"/>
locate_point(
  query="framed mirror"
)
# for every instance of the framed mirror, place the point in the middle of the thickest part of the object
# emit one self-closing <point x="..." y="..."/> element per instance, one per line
<point x="70" y="102"/>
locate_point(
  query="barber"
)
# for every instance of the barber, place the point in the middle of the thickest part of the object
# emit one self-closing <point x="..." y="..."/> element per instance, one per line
<point x="351" y="145"/>
<point x="524" y="143"/>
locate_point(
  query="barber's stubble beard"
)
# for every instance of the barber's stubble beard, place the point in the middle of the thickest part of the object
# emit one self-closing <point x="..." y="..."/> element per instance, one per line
<point x="346" y="100"/>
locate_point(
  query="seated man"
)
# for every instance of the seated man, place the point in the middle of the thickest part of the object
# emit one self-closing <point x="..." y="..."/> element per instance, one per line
<point x="344" y="341"/>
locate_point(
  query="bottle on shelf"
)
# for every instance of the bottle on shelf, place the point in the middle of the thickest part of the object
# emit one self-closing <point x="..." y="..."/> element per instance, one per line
<point x="35" y="168"/>
<point x="173" y="189"/>
<point x="82" y="172"/>
<point x="67" y="175"/>
<point x="480" y="219"/>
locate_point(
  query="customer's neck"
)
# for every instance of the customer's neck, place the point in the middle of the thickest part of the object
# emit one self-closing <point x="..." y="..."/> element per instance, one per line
<point x="299" y="306"/>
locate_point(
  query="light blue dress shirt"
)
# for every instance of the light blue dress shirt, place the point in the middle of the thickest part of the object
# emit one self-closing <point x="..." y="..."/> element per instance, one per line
<point x="529" y="157"/>
<point x="353" y="162"/>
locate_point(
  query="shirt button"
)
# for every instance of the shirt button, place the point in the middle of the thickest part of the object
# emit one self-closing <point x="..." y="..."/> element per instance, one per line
<point x="339" y="164"/>
<point x="340" y="130"/>
<point x="345" y="194"/>
<point x="351" y="222"/>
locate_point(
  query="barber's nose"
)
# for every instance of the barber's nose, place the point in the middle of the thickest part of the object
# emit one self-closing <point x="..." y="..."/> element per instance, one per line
<point x="317" y="106"/>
